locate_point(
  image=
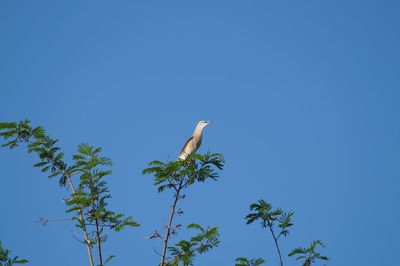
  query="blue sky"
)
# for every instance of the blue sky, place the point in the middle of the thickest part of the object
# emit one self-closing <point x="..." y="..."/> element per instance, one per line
<point x="304" y="95"/>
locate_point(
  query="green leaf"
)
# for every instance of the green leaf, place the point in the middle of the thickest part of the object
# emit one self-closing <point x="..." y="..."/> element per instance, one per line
<point x="242" y="261"/>
<point x="309" y="255"/>
<point x="195" y="226"/>
<point x="7" y="125"/>
<point x="40" y="164"/>
<point x="109" y="258"/>
<point x="11" y="144"/>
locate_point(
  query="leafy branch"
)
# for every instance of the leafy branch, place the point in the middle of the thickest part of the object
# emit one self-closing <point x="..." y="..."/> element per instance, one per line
<point x="263" y="211"/>
<point x="309" y="255"/>
<point x="185" y="251"/>
<point x="88" y="200"/>
<point x="242" y="261"/>
<point x="5" y="259"/>
<point x="92" y="193"/>
<point x="179" y="175"/>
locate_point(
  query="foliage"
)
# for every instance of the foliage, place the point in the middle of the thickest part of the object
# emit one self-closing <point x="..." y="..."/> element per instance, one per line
<point x="88" y="201"/>
<point x="263" y="211"/>
<point x="50" y="156"/>
<point x="184" y="173"/>
<point x="269" y="218"/>
<point x="5" y="260"/>
<point x="178" y="176"/>
<point x="249" y="262"/>
<point x="92" y="192"/>
<point x="309" y="255"/>
<point x="185" y="251"/>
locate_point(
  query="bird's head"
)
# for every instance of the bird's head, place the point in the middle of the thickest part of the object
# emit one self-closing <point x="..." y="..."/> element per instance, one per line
<point x="203" y="123"/>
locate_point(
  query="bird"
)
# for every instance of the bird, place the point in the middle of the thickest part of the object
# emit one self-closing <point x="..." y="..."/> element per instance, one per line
<point x="194" y="142"/>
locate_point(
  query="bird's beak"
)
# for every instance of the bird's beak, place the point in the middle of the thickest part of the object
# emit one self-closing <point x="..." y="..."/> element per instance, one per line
<point x="210" y="122"/>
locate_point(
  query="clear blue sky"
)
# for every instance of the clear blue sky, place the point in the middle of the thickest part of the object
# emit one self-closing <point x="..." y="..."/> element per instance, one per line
<point x="305" y="96"/>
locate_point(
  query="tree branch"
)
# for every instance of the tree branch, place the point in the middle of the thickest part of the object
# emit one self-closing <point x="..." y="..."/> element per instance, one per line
<point x="99" y="242"/>
<point x="167" y="234"/>
<point x="276" y="241"/>
<point x="56" y="164"/>
<point x="82" y="221"/>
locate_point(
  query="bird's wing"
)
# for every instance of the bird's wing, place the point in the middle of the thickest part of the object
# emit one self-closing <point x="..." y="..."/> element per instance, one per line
<point x="185" y="146"/>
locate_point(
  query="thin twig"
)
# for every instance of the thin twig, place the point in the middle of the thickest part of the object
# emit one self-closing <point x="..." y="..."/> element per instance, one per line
<point x="177" y="197"/>
<point x="99" y="242"/>
<point x="276" y="242"/>
<point x="76" y="236"/>
<point x="44" y="221"/>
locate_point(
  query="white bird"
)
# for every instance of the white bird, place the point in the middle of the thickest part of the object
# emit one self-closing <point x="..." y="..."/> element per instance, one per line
<point x="194" y="142"/>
